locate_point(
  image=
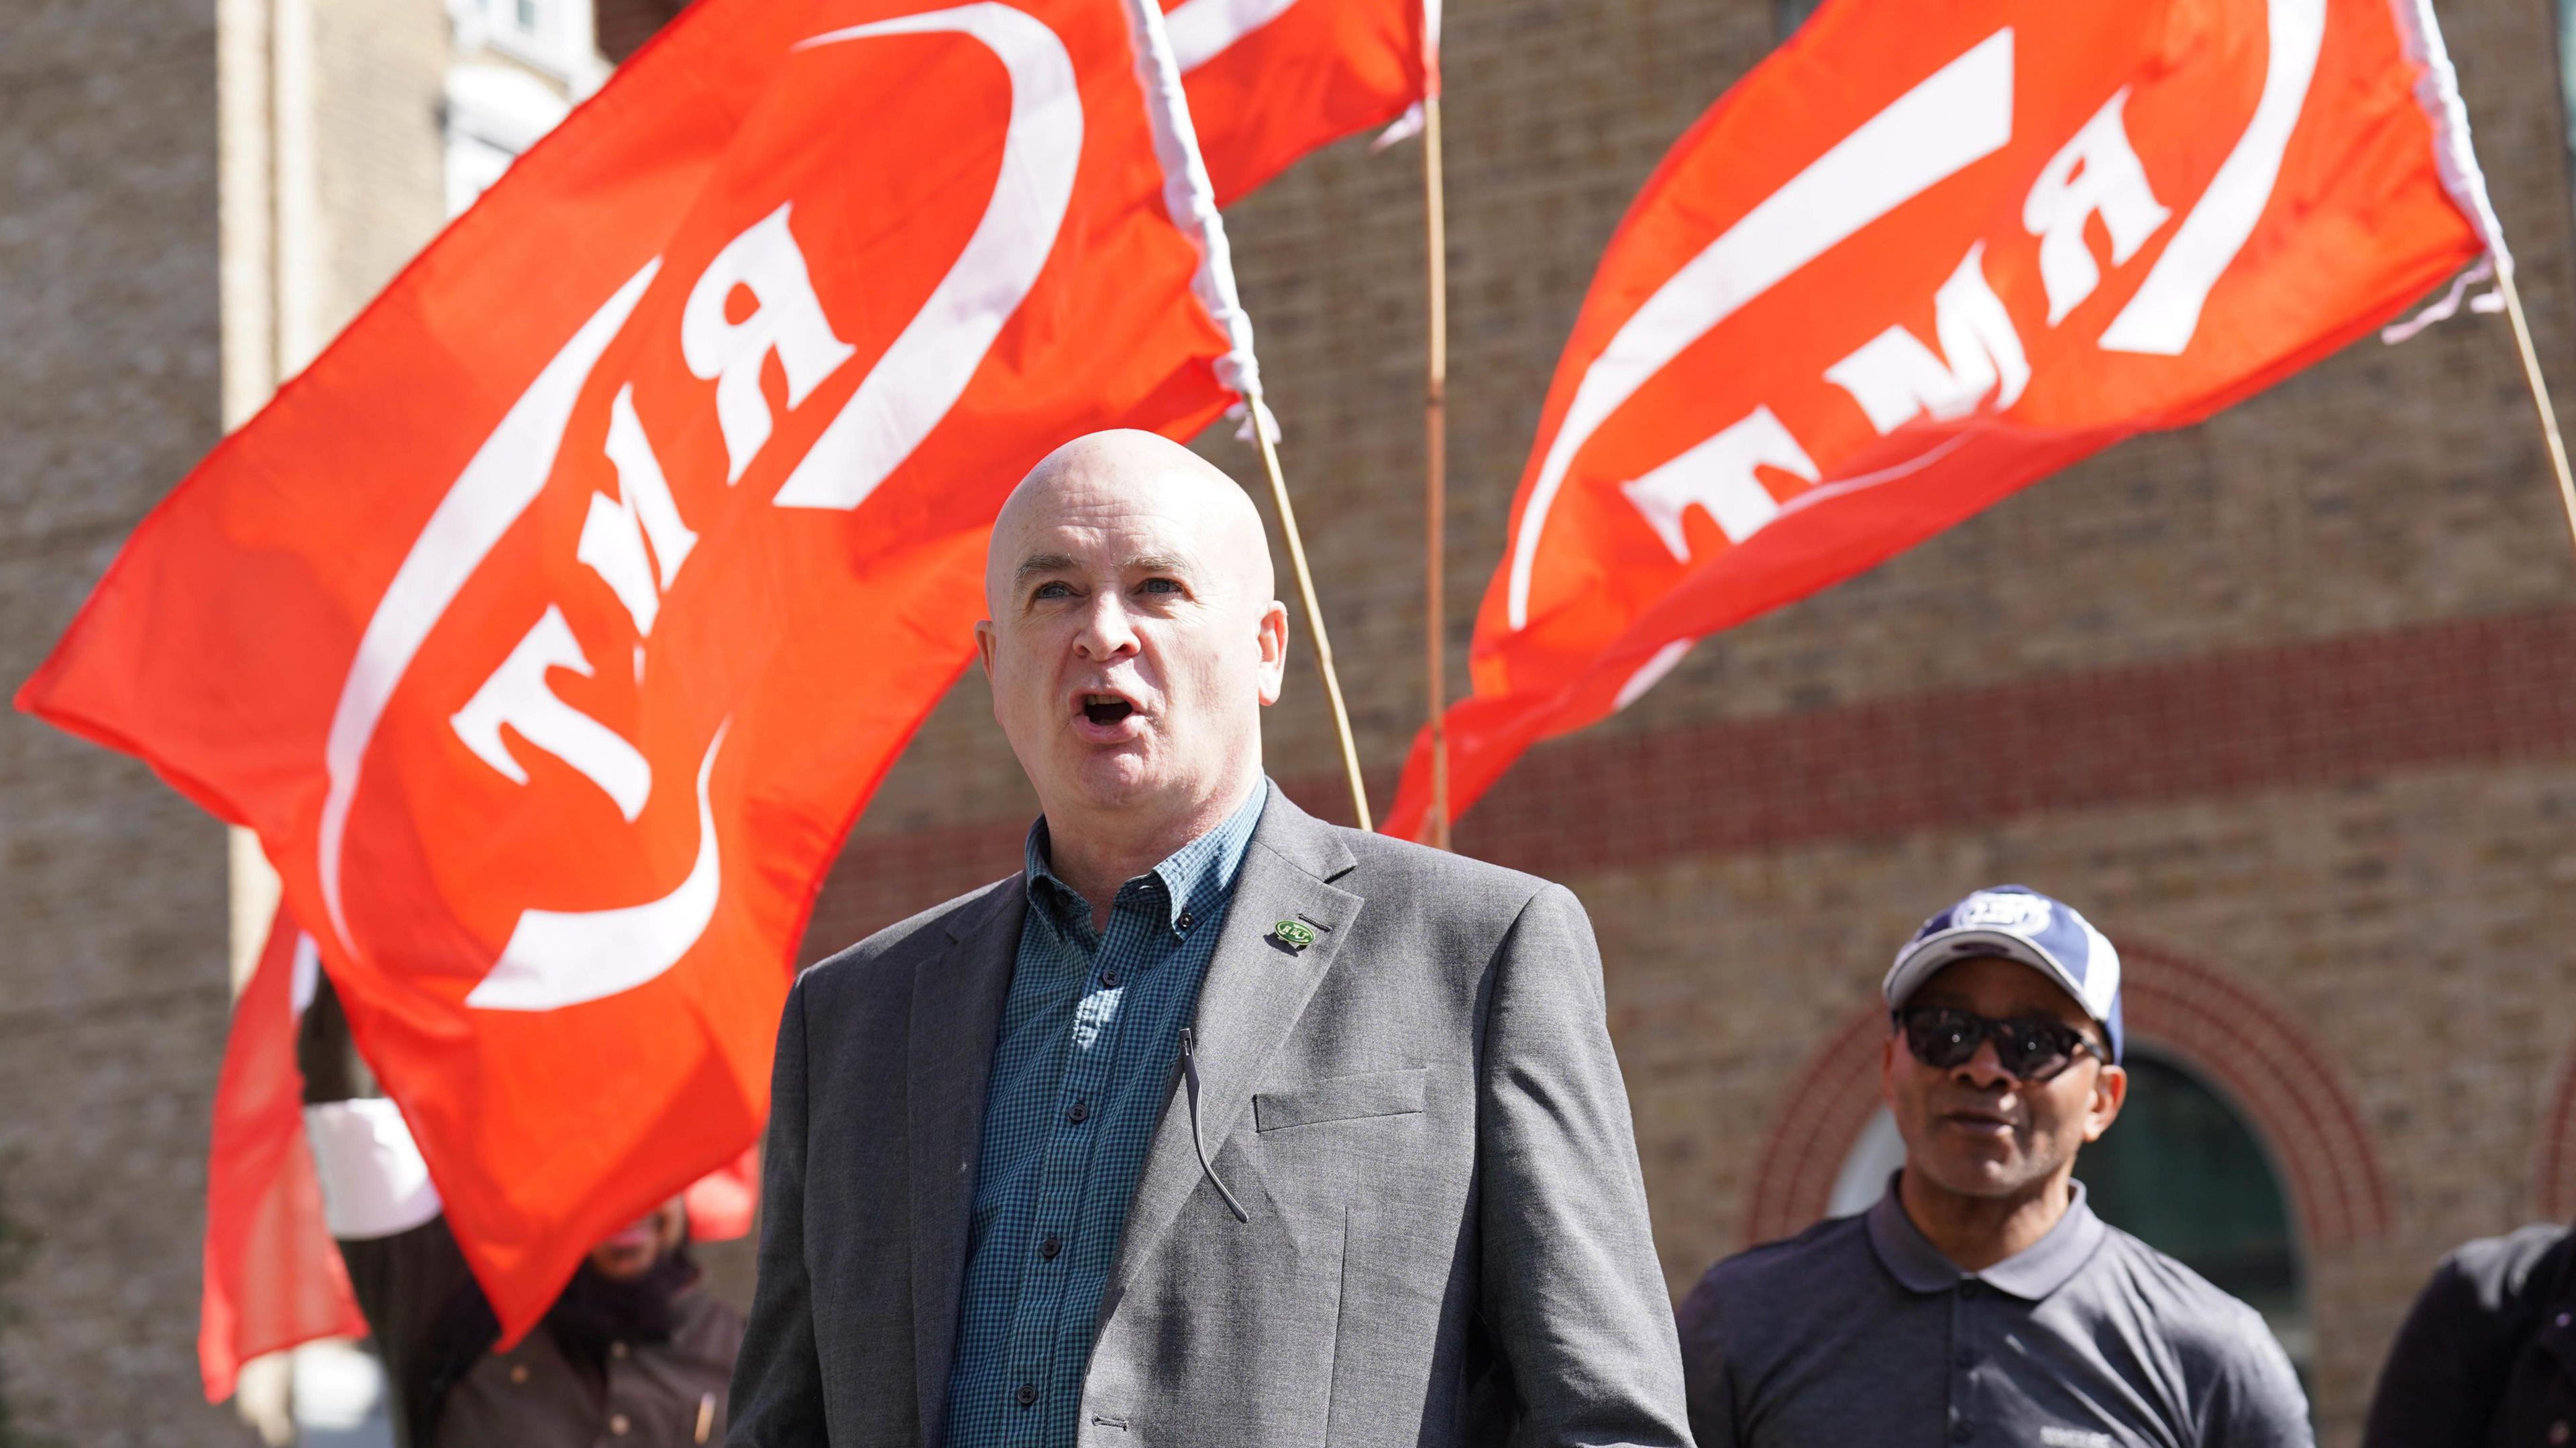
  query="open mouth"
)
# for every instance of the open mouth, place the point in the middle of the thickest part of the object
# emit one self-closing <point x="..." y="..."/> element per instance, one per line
<point x="1105" y="709"/>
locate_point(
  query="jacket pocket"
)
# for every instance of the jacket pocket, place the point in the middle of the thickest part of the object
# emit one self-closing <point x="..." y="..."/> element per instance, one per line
<point x="1342" y="1098"/>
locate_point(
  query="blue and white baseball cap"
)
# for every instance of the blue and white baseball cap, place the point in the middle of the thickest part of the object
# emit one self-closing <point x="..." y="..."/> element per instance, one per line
<point x="2016" y="922"/>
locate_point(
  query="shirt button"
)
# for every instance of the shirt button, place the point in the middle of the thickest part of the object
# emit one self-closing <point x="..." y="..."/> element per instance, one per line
<point x="1079" y="1113"/>
<point x="617" y="1350"/>
<point x="518" y="1372"/>
<point x="1026" y="1395"/>
<point x="1109" y="977"/>
<point x="1188" y="920"/>
<point x="1968" y="1288"/>
<point x="2558" y="1433"/>
<point x="618" y="1425"/>
<point x="1962" y="1431"/>
<point x="1048" y="1248"/>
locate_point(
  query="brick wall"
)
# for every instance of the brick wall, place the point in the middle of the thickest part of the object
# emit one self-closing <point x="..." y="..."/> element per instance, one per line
<point x="112" y="995"/>
<point x="114" y="889"/>
<point x="2284" y="699"/>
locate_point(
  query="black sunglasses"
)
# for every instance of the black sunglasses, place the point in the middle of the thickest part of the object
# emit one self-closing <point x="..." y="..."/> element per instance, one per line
<point x="2032" y="1048"/>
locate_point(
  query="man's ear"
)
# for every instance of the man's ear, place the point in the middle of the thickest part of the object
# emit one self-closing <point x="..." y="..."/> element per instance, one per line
<point x="1273" y="634"/>
<point x="2110" y="1093"/>
<point x="984" y="646"/>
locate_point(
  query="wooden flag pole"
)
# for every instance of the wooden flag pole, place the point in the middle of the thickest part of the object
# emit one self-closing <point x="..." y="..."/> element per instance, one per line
<point x="1435" y="454"/>
<point x="1192" y="204"/>
<point x="1314" y="610"/>
<point x="2539" y="396"/>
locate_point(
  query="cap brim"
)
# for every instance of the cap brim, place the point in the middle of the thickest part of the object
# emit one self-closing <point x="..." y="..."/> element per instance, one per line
<point x="1924" y="958"/>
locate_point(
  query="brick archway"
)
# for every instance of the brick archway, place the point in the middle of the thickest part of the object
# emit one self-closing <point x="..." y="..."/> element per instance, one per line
<point x="2244" y="1045"/>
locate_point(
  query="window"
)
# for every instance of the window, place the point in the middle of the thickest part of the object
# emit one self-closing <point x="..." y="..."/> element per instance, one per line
<point x="473" y="164"/>
<point x="2181" y="1171"/>
<point x="494" y="112"/>
<point x="555" y="36"/>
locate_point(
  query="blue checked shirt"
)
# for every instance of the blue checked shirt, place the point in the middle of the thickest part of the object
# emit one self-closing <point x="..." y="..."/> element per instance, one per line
<point x="1090" y="1036"/>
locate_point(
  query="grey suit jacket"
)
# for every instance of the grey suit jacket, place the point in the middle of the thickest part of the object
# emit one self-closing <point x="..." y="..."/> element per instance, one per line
<point x="1419" y="1112"/>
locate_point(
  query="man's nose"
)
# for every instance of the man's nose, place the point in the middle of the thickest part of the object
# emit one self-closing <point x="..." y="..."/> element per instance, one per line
<point x="1985" y="1069"/>
<point x="1107" y="632"/>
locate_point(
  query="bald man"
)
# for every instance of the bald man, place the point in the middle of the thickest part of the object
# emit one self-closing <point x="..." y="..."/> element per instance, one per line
<point x="1216" y="1125"/>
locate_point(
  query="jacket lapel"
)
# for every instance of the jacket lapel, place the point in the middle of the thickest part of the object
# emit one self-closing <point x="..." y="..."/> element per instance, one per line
<point x="957" y="997"/>
<point x="1256" y="988"/>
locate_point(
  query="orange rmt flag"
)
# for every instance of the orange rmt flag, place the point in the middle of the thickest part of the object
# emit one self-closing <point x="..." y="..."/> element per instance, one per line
<point x="552" y="627"/>
<point x="1922" y="257"/>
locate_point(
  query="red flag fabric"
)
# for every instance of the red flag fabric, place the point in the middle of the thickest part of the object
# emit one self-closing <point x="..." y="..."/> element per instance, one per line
<point x="553" y="626"/>
<point x="1918" y="259"/>
<point x="1270" y="80"/>
<point x="272" y="1277"/>
<point x="722" y="1203"/>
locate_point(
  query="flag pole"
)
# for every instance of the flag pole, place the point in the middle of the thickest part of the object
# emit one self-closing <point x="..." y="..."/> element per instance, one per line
<point x="1435" y="454"/>
<point x="1314" y="609"/>
<point x="2438" y="91"/>
<point x="1191" y="201"/>
<point x="2540" y="397"/>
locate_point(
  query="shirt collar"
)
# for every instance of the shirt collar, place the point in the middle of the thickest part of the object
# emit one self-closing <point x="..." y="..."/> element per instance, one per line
<point x="2031" y="1274"/>
<point x="1194" y="877"/>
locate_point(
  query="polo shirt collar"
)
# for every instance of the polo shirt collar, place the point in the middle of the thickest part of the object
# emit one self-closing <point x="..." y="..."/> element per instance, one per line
<point x="2031" y="1274"/>
<point x="1193" y="877"/>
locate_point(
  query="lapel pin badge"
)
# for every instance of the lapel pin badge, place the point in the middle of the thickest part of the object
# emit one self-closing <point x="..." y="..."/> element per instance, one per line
<point x="1295" y="934"/>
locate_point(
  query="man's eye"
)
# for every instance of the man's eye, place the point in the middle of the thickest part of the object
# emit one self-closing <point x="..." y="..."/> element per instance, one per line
<point x="1161" y="585"/>
<point x="1053" y="590"/>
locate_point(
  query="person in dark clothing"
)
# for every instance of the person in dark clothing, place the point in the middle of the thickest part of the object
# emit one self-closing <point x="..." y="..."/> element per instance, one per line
<point x="2487" y="1356"/>
<point x="636" y="1350"/>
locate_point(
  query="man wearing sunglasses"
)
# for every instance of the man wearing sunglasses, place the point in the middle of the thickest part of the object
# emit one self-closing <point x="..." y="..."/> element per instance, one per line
<point x="1981" y="1300"/>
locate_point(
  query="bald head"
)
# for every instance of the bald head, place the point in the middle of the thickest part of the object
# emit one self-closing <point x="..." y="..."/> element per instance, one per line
<point x="1126" y="469"/>
<point x="1132" y="645"/>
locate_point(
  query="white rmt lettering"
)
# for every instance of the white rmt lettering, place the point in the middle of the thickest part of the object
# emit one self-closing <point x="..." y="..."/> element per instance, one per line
<point x="505" y="476"/>
<point x="925" y="369"/>
<point x="2095" y="174"/>
<point x="785" y="318"/>
<point x="1958" y="116"/>
<point x="1718" y="475"/>
<point x="563" y="957"/>
<point x="517" y="695"/>
<point x="614" y="534"/>
<point x="1894" y="377"/>
<point x="2164" y="312"/>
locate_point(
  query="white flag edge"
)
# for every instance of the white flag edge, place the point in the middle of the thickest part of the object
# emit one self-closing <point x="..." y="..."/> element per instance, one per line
<point x="2438" y="92"/>
<point x="1190" y="198"/>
